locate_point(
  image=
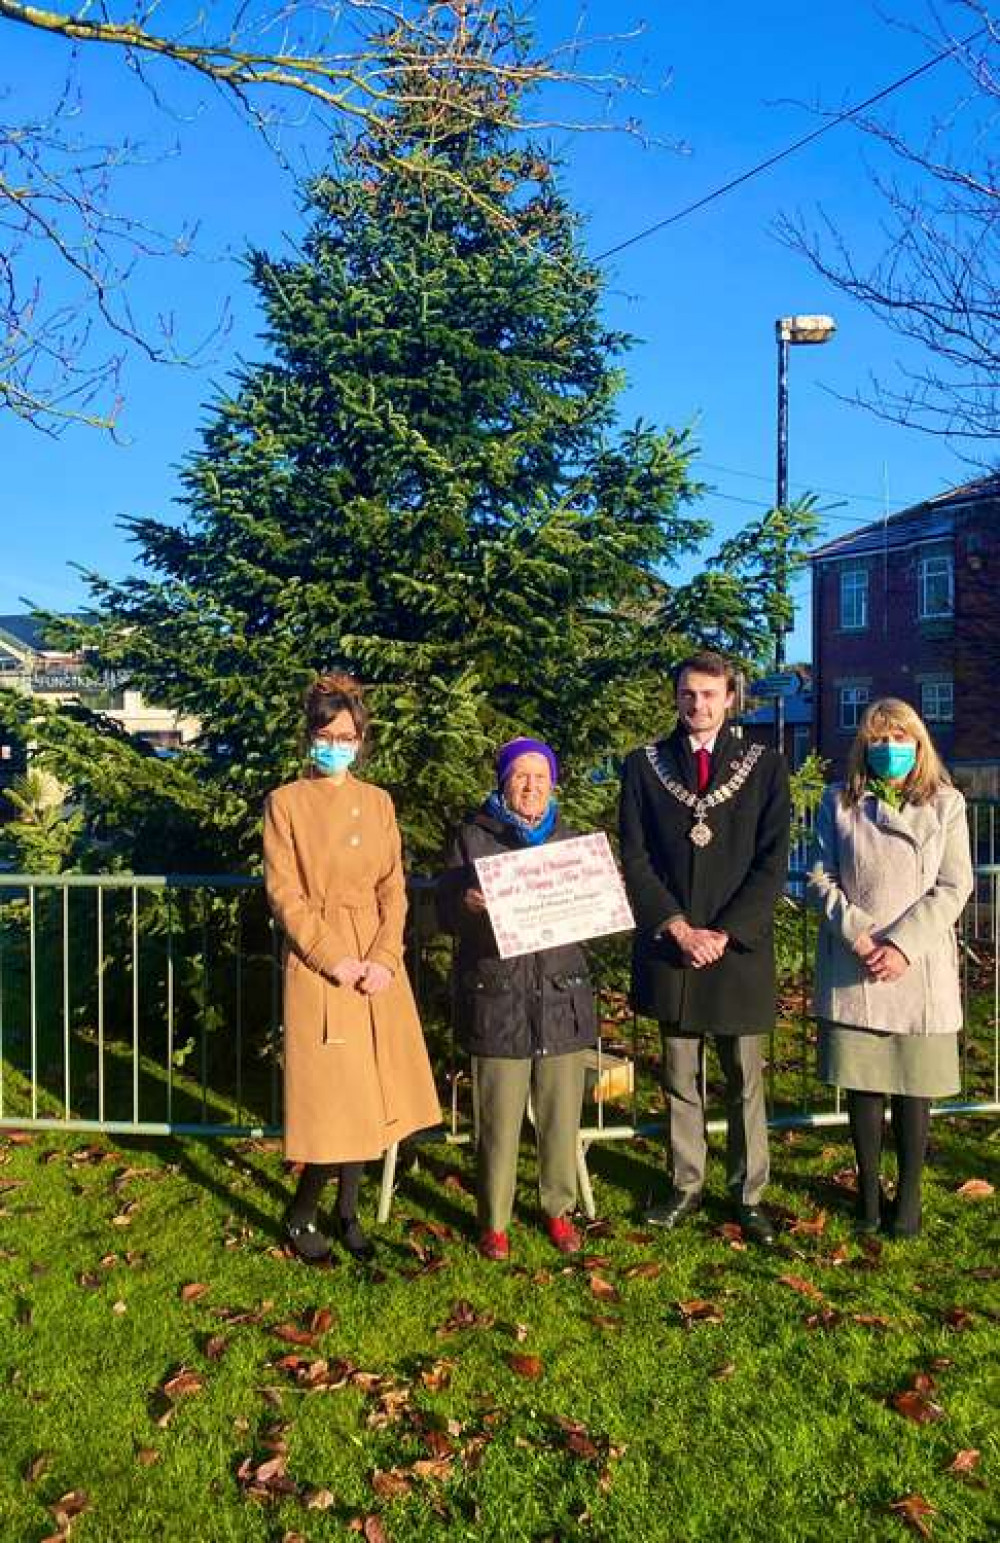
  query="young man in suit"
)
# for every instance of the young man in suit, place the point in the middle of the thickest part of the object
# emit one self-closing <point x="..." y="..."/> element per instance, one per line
<point x="704" y="839"/>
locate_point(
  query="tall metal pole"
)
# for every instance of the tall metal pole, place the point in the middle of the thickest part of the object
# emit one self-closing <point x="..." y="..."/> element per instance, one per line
<point x="780" y="503"/>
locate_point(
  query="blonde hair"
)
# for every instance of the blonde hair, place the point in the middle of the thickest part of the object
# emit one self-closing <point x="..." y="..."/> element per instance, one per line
<point x="889" y="712"/>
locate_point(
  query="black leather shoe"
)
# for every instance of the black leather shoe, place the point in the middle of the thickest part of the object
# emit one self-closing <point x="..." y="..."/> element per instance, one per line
<point x="308" y="1242"/>
<point x="349" y="1233"/>
<point x="674" y="1209"/>
<point x="756" y="1225"/>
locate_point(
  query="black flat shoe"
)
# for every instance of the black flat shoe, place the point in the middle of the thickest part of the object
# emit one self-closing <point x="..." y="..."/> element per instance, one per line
<point x="308" y="1242"/>
<point x="349" y="1234"/>
<point x="899" y="1227"/>
<point x="757" y="1226"/>
<point x="674" y="1209"/>
<point x="865" y="1222"/>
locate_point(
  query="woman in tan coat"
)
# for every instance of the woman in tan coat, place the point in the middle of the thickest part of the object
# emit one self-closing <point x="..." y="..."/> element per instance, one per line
<point x="357" y="1077"/>
<point x="891" y="873"/>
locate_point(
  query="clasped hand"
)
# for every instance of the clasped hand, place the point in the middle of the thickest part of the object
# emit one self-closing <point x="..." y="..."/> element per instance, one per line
<point x="882" y="961"/>
<point x="700" y="946"/>
<point x="365" y="975"/>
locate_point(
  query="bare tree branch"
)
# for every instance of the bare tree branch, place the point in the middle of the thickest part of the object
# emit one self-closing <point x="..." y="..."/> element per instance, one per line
<point x="936" y="279"/>
<point x="62" y="354"/>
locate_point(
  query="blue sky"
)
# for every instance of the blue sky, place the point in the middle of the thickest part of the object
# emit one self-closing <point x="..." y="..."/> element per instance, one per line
<point x="729" y="83"/>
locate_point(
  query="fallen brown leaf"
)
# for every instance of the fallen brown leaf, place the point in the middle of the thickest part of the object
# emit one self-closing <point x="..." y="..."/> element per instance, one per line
<point x="964" y="1461"/>
<point x="321" y="1321"/>
<point x="529" y="1366"/>
<point x="38" y="1466"/>
<point x="464" y="1316"/>
<point x="319" y="1499"/>
<point x="826" y="1318"/>
<point x="147" y="1457"/>
<point x="437" y="1377"/>
<point x="603" y="1289"/>
<point x="975" y="1189"/>
<point x="595" y="1262"/>
<point x="193" y="1290"/>
<point x="916" y="1406"/>
<point x="958" y="1318"/>
<point x="216" y="1346"/>
<point x="808" y="1227"/>
<point x="723" y="1372"/>
<point x="292" y="1334"/>
<point x="803" y="1287"/>
<point x="649" y="1269"/>
<point x="605" y="1322"/>
<point x="183" y="1384"/>
<point x="699" y="1310"/>
<point x="914" y="1511"/>
<point x="871" y="1320"/>
<point x="69" y="1506"/>
<point x="440" y="1468"/>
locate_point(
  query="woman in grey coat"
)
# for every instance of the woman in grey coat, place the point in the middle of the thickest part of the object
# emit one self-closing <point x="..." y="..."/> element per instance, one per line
<point x="891" y="872"/>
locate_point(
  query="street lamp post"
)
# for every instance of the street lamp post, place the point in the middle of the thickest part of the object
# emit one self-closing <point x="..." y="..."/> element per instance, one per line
<point x="788" y="330"/>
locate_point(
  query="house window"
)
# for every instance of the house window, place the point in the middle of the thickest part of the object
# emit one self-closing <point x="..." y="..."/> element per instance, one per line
<point x="853" y="701"/>
<point x="853" y="598"/>
<point x="937" y="700"/>
<point x="800" y="744"/>
<point x="935" y="585"/>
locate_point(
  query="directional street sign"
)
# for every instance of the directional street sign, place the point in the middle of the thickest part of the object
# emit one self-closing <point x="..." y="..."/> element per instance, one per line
<point x="786" y="684"/>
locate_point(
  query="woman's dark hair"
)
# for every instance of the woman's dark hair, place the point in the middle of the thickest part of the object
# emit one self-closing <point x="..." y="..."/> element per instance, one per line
<point x="333" y="693"/>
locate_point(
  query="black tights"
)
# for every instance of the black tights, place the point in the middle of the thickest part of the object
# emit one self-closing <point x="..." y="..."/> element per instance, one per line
<point x="910" y="1125"/>
<point x="313" y="1180"/>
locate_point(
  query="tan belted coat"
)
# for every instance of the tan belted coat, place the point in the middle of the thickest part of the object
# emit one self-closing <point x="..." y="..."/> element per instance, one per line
<point x="357" y="1077"/>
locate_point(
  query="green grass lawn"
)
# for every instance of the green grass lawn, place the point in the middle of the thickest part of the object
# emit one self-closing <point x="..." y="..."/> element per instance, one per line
<point x="660" y="1388"/>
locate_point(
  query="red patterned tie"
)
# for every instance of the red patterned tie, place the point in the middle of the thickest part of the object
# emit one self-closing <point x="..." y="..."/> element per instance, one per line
<point x="703" y="767"/>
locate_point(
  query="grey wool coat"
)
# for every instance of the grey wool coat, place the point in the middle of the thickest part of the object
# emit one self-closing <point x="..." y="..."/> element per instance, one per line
<point x="903" y="876"/>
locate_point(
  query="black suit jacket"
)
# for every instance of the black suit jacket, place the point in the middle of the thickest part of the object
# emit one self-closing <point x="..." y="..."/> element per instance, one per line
<point x="733" y="884"/>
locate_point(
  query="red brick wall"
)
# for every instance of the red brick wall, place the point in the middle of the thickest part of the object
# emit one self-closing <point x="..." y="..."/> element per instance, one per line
<point x="895" y="649"/>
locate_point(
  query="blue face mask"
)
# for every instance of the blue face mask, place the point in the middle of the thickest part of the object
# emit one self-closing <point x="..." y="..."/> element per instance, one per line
<point x="329" y="758"/>
<point x="892" y="760"/>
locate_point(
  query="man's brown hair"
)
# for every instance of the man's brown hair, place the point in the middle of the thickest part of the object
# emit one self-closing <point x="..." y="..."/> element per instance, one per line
<point x="706" y="663"/>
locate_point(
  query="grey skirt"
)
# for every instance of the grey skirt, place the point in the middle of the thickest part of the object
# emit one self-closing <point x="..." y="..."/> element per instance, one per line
<point x="871" y="1061"/>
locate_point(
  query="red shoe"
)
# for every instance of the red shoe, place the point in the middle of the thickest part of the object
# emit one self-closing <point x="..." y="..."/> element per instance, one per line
<point x="563" y="1234"/>
<point x="494" y="1245"/>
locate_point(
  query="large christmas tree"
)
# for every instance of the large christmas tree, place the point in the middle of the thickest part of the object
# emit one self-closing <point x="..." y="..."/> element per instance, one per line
<point x="424" y="482"/>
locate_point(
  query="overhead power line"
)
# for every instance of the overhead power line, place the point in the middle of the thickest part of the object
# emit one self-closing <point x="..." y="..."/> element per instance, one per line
<point x="756" y="476"/>
<point x="792" y="149"/>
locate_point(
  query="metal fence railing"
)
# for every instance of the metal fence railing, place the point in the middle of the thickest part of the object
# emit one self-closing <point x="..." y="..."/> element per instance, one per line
<point x="150" y="1006"/>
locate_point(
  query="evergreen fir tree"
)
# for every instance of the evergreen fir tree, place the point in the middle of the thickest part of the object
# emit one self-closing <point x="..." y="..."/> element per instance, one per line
<point x="423" y="482"/>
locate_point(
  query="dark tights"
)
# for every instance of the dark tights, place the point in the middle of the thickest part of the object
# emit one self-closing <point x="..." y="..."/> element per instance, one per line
<point x="910" y="1125"/>
<point x="313" y="1180"/>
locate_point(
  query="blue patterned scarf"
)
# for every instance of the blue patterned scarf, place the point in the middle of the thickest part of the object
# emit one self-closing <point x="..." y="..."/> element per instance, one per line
<point x="532" y="835"/>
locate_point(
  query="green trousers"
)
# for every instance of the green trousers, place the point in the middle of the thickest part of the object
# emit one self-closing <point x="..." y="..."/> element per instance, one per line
<point x="555" y="1084"/>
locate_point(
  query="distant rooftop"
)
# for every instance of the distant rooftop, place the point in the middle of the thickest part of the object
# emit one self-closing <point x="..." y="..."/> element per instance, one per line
<point x="30" y="633"/>
<point x="927" y="521"/>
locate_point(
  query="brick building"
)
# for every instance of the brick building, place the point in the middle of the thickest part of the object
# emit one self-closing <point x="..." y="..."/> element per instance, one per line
<point x="910" y="607"/>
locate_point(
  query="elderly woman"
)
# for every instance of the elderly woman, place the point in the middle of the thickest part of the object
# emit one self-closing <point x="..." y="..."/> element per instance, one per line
<point x="526" y="1021"/>
<point x="357" y="1077"/>
<point x="892" y="872"/>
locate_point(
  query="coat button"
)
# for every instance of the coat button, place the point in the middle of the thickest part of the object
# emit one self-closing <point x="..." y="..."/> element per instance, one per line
<point x="356" y="813"/>
<point x="355" y="841"/>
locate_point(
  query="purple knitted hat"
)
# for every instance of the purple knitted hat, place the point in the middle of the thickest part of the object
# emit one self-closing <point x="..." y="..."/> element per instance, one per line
<point x="508" y="754"/>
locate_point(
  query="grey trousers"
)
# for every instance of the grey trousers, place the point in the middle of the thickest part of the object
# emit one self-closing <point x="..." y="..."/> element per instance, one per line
<point x="556" y="1086"/>
<point x="747" y="1161"/>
